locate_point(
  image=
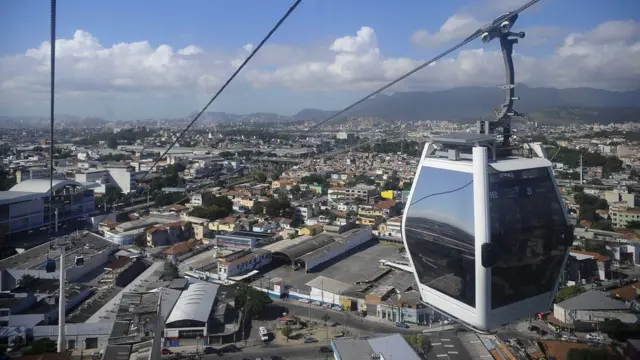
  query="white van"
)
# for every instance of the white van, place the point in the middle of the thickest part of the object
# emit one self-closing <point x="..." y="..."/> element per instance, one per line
<point x="264" y="334"/>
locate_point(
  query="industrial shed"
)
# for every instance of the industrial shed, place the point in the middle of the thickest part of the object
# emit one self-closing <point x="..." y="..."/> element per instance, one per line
<point x="190" y="317"/>
<point x="296" y="251"/>
<point x="324" y="247"/>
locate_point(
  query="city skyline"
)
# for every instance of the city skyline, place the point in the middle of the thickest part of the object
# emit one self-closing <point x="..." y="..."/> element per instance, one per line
<point x="121" y="60"/>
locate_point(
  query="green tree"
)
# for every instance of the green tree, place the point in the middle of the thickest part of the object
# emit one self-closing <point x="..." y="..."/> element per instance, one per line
<point x="286" y="332"/>
<point x="252" y="300"/>
<point x="419" y="343"/>
<point x="141" y="240"/>
<point x="112" y="142"/>
<point x="260" y="177"/>
<point x="112" y="194"/>
<point x="277" y="207"/>
<point x="634" y="224"/>
<point x="6" y="180"/>
<point x="568" y="292"/>
<point x="41" y="346"/>
<point x="212" y="212"/>
<point x="169" y="199"/>
<point x="28" y="281"/>
<point x="257" y="208"/>
<point x="223" y="202"/>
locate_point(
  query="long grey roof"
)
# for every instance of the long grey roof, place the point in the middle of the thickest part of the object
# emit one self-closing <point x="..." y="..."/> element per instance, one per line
<point x="296" y="251"/>
<point x="195" y="303"/>
<point x="592" y="300"/>
<point x="42" y="185"/>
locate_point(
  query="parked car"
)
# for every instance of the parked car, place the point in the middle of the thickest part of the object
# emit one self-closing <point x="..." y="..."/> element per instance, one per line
<point x="166" y="351"/>
<point x="309" y="340"/>
<point x="402" y="325"/>
<point x="325" y="349"/>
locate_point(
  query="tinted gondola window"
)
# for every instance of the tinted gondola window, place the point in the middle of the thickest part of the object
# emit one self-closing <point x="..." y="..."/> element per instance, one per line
<point x="527" y="229"/>
<point x="439" y="232"/>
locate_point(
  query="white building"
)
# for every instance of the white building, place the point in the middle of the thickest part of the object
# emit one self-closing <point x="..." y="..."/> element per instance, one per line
<point x="245" y="263"/>
<point x="26" y="206"/>
<point x="326" y="290"/>
<point x="190" y="318"/>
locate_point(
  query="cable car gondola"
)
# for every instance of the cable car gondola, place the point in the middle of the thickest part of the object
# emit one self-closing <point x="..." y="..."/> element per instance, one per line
<point x="50" y="265"/>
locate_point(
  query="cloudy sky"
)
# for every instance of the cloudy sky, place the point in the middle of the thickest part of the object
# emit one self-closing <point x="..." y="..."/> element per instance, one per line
<point x="129" y="59"/>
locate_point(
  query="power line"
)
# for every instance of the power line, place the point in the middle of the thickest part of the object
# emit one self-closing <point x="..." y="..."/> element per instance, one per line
<point x="469" y="39"/>
<point x="224" y="86"/>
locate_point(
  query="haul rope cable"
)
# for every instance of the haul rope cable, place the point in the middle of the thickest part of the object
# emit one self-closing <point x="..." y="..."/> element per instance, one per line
<point x="469" y="39"/>
<point x="224" y="86"/>
<point x="52" y="53"/>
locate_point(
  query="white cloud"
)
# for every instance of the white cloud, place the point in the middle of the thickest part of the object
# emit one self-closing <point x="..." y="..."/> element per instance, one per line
<point x="607" y="56"/>
<point x="604" y="57"/>
<point x="455" y="28"/>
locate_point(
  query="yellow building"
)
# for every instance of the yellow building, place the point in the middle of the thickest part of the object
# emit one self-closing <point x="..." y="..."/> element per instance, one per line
<point x="312" y="230"/>
<point x="387" y="194"/>
<point x="227" y="224"/>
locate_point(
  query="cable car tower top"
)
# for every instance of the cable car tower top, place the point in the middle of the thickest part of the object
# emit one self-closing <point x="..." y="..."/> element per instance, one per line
<point x="499" y="28"/>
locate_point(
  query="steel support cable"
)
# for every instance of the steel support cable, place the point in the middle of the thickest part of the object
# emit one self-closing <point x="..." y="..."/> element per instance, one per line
<point x="469" y="39"/>
<point x="224" y="86"/>
<point x="52" y="53"/>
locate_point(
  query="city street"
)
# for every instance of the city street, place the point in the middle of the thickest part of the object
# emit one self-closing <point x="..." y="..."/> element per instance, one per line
<point x="293" y="352"/>
<point x="366" y="324"/>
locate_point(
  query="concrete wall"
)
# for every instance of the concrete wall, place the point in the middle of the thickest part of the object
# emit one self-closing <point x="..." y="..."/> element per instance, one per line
<point x="79" y="333"/>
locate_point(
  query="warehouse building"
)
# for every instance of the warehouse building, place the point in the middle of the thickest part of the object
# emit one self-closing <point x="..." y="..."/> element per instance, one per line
<point x="191" y="316"/>
<point x="322" y="248"/>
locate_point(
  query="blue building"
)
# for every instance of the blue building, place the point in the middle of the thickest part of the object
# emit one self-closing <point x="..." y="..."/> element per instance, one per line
<point x="25" y="208"/>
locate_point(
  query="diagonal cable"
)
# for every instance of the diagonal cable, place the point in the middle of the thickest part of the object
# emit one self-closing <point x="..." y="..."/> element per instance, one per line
<point x="224" y="86"/>
<point x="469" y="39"/>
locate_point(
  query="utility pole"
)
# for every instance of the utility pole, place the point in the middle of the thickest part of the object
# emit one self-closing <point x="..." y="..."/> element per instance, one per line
<point x="581" y="171"/>
<point x="62" y="345"/>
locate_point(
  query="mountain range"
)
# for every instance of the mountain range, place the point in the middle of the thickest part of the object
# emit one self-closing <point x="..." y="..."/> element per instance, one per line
<point x="543" y="105"/>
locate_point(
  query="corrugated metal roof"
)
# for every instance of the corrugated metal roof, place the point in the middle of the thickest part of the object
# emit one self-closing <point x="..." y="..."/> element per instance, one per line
<point x="330" y="285"/>
<point x="195" y="303"/>
<point x="296" y="251"/>
<point x="41" y="185"/>
<point x="592" y="300"/>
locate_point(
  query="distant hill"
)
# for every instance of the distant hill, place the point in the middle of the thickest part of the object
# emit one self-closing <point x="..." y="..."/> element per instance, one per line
<point x="476" y="102"/>
<point x="585" y="115"/>
<point x="544" y="105"/>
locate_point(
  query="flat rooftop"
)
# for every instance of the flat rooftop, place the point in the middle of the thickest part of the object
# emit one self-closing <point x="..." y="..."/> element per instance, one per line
<point x="10" y="197"/>
<point x="204" y="261"/>
<point x="348" y="270"/>
<point x="86" y="244"/>
<point x="251" y="234"/>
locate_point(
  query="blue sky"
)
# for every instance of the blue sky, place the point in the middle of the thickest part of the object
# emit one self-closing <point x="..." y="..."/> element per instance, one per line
<point x="223" y="27"/>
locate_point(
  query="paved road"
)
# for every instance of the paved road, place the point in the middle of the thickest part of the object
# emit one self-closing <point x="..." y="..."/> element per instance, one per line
<point x="294" y="352"/>
<point x="373" y="325"/>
